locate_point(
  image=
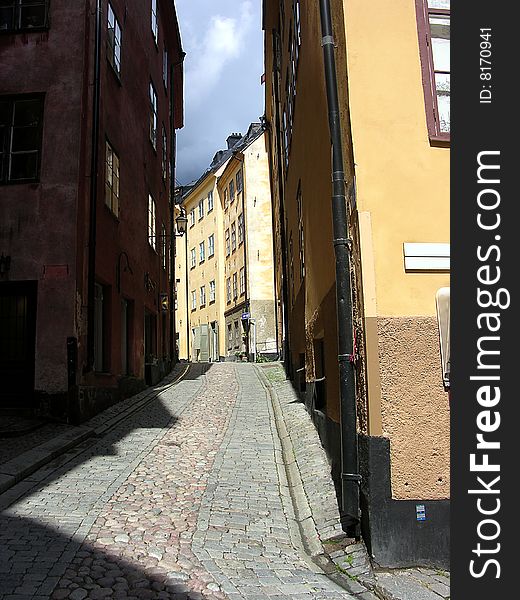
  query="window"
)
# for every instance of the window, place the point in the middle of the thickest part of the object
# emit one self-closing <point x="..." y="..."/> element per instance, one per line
<point x="235" y="288"/>
<point x="203" y="295"/>
<point x="210" y="201"/>
<point x="114" y="41"/>
<point x="21" y="123"/>
<point x="153" y="116"/>
<point x="193" y="258"/>
<point x="228" y="289"/>
<point x="230" y="336"/>
<point x="202" y="252"/>
<point x="232" y="190"/>
<point x="434" y="42"/>
<point x="226" y="199"/>
<point x="155" y="22"/>
<point x="21" y="15"/>
<point x="112" y="179"/>
<point x="233" y="237"/>
<point x="164" y="246"/>
<point x="165" y="68"/>
<point x="193" y="300"/>
<point x="228" y="249"/>
<point x="212" y="291"/>
<point x="164" y="155"/>
<point x="192" y="217"/>
<point x="151" y="222"/>
<point x="240" y="228"/>
<point x="201" y="209"/>
<point x="240" y="181"/>
<point x="237" y="335"/>
<point x="242" y="281"/>
<point x="211" y="245"/>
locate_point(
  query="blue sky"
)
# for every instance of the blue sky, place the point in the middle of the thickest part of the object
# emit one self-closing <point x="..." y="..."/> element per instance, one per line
<point x="223" y="41"/>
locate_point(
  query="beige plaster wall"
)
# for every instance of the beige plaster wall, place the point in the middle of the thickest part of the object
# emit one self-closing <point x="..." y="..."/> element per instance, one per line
<point x="415" y="409"/>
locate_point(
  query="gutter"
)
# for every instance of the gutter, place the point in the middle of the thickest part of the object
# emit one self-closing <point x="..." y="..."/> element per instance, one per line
<point x="350" y="477"/>
<point x="91" y="281"/>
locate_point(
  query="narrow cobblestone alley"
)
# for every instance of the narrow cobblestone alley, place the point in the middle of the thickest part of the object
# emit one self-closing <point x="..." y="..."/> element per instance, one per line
<point x="184" y="499"/>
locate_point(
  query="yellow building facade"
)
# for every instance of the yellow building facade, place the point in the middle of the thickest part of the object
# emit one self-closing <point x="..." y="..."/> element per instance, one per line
<point x="392" y="81"/>
<point x="226" y="306"/>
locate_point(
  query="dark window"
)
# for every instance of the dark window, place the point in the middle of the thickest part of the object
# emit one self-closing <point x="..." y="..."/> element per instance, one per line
<point x="433" y="18"/>
<point x="23" y="15"/>
<point x="21" y="120"/>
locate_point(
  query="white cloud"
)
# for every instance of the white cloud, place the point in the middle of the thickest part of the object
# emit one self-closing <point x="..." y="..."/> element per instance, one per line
<point x="224" y="40"/>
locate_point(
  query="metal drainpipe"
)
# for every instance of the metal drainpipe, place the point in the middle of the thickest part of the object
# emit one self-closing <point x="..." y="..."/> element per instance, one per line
<point x="173" y="245"/>
<point x="246" y="287"/>
<point x="188" y="353"/>
<point x="350" y="476"/>
<point x="283" y="242"/>
<point x="91" y="282"/>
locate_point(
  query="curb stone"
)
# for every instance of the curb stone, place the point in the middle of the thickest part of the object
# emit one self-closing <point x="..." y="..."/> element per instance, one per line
<point x="309" y="530"/>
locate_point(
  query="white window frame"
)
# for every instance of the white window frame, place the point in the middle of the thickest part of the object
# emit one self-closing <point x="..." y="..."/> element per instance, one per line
<point x="154" y="21"/>
<point x="202" y="295"/>
<point x="212" y="291"/>
<point x="211" y="245"/>
<point x="193" y="299"/>
<point x="152" y="237"/>
<point x="210" y="201"/>
<point x="193" y="262"/>
<point x="153" y="116"/>
<point x="202" y="252"/>
<point x="114" y="40"/>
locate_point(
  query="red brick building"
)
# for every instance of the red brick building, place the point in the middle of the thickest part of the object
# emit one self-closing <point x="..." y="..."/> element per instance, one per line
<point x="91" y="93"/>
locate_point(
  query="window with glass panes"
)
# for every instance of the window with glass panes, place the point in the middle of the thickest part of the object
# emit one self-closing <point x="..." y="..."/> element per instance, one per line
<point x="151" y="222"/>
<point x="210" y="201"/>
<point x="212" y="291"/>
<point x="242" y="281"/>
<point x="240" y="228"/>
<point x="202" y="252"/>
<point x="164" y="155"/>
<point x="21" y="124"/>
<point x="111" y="179"/>
<point x="233" y="237"/>
<point x="434" y="42"/>
<point x="114" y="41"/>
<point x="23" y="15"/>
<point x="211" y="245"/>
<point x="193" y="262"/>
<point x="155" y="21"/>
<point x="153" y="116"/>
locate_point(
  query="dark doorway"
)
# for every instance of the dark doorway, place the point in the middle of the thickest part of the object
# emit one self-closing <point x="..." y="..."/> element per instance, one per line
<point x="17" y="343"/>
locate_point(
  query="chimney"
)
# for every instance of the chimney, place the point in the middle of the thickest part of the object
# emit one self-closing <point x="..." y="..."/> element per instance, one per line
<point x="233" y="139"/>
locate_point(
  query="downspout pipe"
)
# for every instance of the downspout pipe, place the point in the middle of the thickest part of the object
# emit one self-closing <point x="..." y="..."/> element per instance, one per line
<point x="91" y="281"/>
<point x="174" y="355"/>
<point x="350" y="477"/>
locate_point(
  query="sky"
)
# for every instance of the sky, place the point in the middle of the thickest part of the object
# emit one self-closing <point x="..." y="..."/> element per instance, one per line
<point x="223" y="41"/>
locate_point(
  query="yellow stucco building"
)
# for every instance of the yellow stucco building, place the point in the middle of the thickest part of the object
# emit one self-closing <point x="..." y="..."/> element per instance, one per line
<point x="226" y="306"/>
<point x="387" y="65"/>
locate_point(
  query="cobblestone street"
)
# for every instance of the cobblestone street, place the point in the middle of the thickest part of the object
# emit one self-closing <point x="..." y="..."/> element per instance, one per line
<point x="186" y="498"/>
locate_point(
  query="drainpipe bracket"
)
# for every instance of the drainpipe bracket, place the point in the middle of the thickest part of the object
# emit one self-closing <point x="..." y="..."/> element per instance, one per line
<point x="351" y="477"/>
<point x="327" y="40"/>
<point x="351" y="358"/>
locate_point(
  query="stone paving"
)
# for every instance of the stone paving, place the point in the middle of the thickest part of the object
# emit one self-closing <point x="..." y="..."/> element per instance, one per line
<point x="184" y="499"/>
